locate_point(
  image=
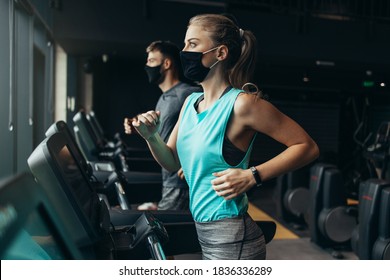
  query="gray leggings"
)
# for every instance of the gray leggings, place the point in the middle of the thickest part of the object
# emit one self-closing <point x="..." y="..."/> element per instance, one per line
<point x="238" y="238"/>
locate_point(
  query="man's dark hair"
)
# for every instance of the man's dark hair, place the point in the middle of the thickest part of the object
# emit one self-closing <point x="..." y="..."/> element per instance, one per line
<point x="168" y="50"/>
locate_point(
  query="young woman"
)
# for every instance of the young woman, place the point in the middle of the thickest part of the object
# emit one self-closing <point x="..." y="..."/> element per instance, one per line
<point x="213" y="138"/>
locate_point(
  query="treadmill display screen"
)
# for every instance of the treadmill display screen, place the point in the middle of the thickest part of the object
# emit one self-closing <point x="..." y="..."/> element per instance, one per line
<point x="74" y="177"/>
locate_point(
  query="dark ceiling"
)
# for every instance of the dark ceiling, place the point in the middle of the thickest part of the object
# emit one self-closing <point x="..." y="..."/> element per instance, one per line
<point x="116" y="26"/>
<point x="294" y="37"/>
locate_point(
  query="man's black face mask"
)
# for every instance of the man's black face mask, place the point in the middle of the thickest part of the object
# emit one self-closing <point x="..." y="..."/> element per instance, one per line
<point x="154" y="74"/>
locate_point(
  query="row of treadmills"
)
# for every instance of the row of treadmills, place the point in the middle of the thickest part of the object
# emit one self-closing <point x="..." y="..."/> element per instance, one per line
<point x="76" y="202"/>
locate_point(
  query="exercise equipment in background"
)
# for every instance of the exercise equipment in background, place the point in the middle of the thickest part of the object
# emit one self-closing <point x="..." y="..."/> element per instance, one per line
<point x="373" y="227"/>
<point x="54" y="166"/>
<point x="292" y="196"/>
<point x="140" y="186"/>
<point x="371" y="237"/>
<point x="95" y="148"/>
<point x="116" y="140"/>
<point x="331" y="220"/>
<point x="381" y="247"/>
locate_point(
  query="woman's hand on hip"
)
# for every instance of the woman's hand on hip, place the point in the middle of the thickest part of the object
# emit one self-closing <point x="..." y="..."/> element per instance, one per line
<point x="232" y="182"/>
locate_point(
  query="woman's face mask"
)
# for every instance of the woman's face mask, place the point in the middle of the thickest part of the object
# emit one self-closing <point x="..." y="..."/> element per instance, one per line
<point x="192" y="65"/>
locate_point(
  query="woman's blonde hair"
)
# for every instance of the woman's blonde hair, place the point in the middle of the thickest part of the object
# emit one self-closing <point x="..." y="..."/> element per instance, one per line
<point x="241" y="60"/>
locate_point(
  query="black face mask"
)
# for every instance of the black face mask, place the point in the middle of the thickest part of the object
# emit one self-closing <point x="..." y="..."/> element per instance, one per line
<point x="192" y="65"/>
<point x="154" y="74"/>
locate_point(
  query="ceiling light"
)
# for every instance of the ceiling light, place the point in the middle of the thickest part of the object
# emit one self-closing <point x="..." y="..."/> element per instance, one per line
<point x="325" y="63"/>
<point x="305" y="78"/>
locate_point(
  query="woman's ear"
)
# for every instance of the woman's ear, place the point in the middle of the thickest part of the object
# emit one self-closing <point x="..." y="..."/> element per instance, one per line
<point x="222" y="52"/>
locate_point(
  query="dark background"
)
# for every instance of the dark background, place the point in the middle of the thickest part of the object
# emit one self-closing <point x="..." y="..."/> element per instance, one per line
<point x="320" y="62"/>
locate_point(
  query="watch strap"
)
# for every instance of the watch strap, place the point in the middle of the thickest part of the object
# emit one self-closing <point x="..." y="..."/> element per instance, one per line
<point x="257" y="177"/>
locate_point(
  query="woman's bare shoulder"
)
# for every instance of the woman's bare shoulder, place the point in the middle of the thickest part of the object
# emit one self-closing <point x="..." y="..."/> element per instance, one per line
<point x="246" y="103"/>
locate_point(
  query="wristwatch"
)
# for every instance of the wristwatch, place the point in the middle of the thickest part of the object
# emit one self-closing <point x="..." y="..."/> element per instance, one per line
<point x="256" y="174"/>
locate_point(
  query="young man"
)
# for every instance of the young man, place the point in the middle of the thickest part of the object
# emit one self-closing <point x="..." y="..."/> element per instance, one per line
<point x="163" y="68"/>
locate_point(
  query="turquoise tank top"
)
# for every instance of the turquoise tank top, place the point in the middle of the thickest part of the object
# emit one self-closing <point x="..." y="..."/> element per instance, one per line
<point x="199" y="147"/>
